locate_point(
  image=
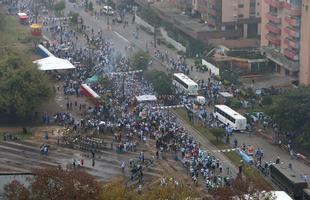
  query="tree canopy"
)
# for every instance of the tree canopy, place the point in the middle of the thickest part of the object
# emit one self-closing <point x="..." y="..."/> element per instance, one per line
<point x="140" y="60"/>
<point x="219" y="133"/>
<point x="291" y="111"/>
<point x="243" y="189"/>
<point x="23" y="87"/>
<point x="54" y="183"/>
<point x="161" y="82"/>
<point x="58" y="7"/>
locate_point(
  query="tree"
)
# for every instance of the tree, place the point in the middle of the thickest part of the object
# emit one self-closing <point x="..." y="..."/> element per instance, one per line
<point x="90" y="6"/>
<point x="16" y="190"/>
<point x="219" y="133"/>
<point x="2" y="21"/>
<point x="161" y="82"/>
<point x="58" y="7"/>
<point x="243" y="189"/>
<point x="195" y="47"/>
<point x="73" y="16"/>
<point x="291" y="111"/>
<point x="23" y="87"/>
<point x="53" y="183"/>
<point x="139" y="60"/>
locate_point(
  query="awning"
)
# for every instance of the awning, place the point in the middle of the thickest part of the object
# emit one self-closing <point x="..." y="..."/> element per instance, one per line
<point x="53" y="63"/>
<point x="144" y="98"/>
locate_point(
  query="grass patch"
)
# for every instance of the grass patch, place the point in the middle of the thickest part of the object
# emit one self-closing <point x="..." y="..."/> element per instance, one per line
<point x="12" y="29"/>
<point x="248" y="171"/>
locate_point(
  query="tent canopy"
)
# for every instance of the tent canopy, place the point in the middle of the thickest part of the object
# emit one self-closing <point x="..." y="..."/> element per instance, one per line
<point x="53" y="63"/>
<point x="144" y="98"/>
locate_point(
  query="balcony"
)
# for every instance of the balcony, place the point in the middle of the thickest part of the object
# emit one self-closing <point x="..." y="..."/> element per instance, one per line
<point x="292" y="21"/>
<point x="272" y="28"/>
<point x="273" y="39"/>
<point x="273" y="18"/>
<point x="280" y="59"/>
<point x="292" y="32"/>
<point x="291" y="54"/>
<point x="293" y="10"/>
<point x="275" y="3"/>
<point x="292" y="43"/>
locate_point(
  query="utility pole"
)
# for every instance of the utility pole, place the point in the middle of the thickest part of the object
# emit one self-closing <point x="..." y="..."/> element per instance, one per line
<point x="155" y="38"/>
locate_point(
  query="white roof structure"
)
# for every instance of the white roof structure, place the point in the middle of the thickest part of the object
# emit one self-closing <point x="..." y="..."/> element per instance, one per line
<point x="53" y="63"/>
<point x="144" y="98"/>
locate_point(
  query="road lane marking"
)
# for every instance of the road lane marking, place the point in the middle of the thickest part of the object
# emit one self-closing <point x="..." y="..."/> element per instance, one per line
<point x="119" y="35"/>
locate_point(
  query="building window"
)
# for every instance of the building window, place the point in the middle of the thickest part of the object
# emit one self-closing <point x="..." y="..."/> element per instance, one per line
<point x="240" y="6"/>
<point x="240" y="15"/>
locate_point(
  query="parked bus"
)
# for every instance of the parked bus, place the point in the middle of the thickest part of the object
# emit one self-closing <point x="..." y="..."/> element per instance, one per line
<point x="288" y="180"/>
<point x="228" y="116"/>
<point x="184" y="84"/>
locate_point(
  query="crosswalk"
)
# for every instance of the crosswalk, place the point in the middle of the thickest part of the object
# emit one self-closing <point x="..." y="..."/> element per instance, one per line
<point x="25" y="156"/>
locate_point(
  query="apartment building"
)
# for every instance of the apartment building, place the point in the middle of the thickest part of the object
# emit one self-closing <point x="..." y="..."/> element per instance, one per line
<point x="285" y="37"/>
<point x="239" y="18"/>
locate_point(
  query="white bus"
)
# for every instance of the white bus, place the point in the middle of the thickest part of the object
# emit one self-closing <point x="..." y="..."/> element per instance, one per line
<point x="184" y="84"/>
<point x="228" y="116"/>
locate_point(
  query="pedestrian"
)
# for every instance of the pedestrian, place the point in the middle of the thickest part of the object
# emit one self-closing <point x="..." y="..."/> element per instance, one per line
<point x="123" y="167"/>
<point x="278" y="160"/>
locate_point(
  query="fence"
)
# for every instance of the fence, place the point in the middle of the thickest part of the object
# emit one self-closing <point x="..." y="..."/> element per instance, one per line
<point x="174" y="43"/>
<point x="141" y="22"/>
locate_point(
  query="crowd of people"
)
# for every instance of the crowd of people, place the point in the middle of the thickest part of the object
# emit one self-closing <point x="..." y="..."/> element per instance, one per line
<point x="119" y="114"/>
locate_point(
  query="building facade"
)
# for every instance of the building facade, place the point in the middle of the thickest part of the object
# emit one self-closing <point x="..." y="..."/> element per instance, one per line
<point x="241" y="16"/>
<point x="285" y="37"/>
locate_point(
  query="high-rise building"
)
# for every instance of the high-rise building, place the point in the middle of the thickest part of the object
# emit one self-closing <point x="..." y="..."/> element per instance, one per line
<point x="285" y="37"/>
<point x="240" y="17"/>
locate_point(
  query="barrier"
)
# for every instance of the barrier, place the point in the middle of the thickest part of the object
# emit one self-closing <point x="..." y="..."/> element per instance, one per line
<point x="141" y="22"/>
<point x="174" y="43"/>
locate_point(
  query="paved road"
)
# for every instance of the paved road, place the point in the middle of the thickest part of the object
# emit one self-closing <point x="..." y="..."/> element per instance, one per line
<point x="272" y="151"/>
<point x="122" y="37"/>
<point x="207" y="145"/>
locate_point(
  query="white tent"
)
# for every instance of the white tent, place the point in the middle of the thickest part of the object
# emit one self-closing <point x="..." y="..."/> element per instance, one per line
<point x="144" y="98"/>
<point x="53" y="63"/>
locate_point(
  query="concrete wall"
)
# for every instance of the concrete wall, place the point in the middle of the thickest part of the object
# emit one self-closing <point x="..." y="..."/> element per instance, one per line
<point x="174" y="43"/>
<point x="140" y="21"/>
<point x="214" y="70"/>
<point x="304" y="73"/>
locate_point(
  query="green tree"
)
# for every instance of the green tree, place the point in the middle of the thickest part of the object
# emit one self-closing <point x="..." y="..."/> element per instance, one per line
<point x="267" y="100"/>
<point x="139" y="61"/>
<point x="73" y="16"/>
<point x="218" y="133"/>
<point x="161" y="82"/>
<point x="195" y="47"/>
<point x="2" y="21"/>
<point x="90" y="6"/>
<point x="61" y="5"/>
<point x="291" y="111"/>
<point x="23" y="87"/>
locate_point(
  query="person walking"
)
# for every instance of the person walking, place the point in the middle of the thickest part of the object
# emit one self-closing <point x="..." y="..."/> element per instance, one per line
<point x="123" y="167"/>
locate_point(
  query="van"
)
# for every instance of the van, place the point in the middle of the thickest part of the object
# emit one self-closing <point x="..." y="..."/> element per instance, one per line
<point x="108" y="10"/>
